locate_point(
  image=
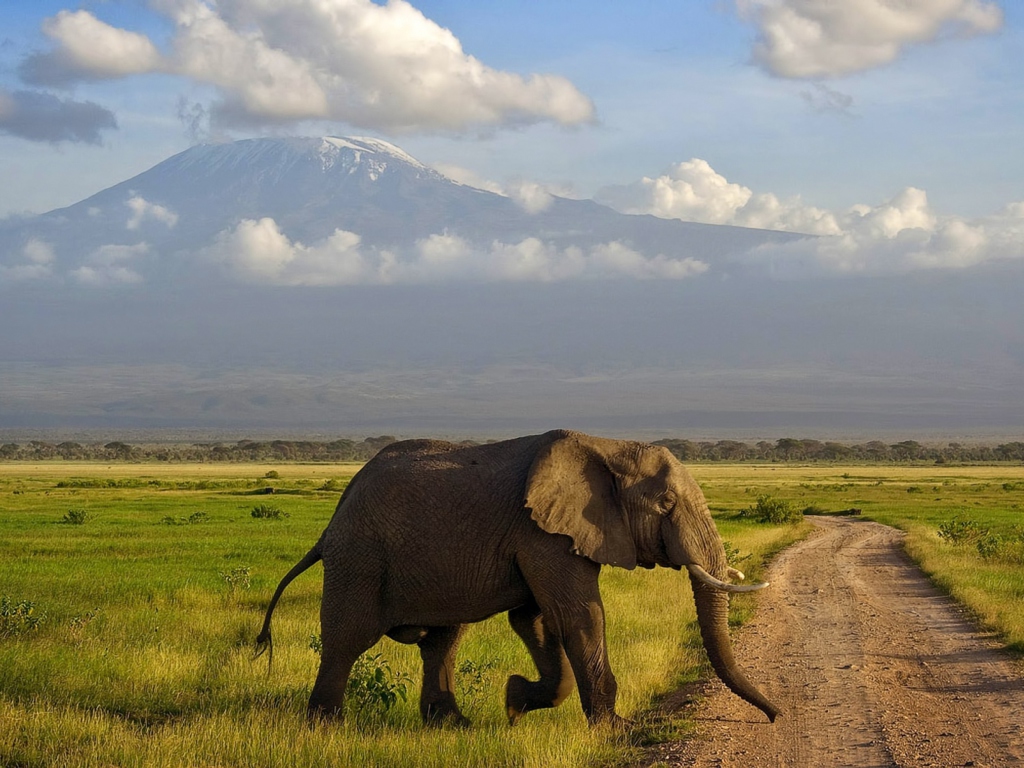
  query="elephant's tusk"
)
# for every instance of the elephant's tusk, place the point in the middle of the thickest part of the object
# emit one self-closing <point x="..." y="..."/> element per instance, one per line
<point x="711" y="581"/>
<point x="735" y="574"/>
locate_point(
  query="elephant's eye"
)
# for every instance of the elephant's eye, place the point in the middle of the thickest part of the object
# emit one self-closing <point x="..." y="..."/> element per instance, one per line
<point x="667" y="502"/>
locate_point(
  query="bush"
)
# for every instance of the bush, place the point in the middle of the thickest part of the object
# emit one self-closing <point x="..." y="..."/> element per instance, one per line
<point x="1007" y="547"/>
<point x="372" y="684"/>
<point x="959" y="531"/>
<point x="76" y="517"/>
<point x="732" y="554"/>
<point x="267" y="512"/>
<point x="473" y="680"/>
<point x="18" y="617"/>
<point x="768" y="509"/>
<point x="236" y="578"/>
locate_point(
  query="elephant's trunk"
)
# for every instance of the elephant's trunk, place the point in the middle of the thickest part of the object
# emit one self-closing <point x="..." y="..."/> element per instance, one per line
<point x="713" y="617"/>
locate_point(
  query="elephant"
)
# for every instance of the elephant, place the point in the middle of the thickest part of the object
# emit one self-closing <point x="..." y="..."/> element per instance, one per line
<point x="430" y="536"/>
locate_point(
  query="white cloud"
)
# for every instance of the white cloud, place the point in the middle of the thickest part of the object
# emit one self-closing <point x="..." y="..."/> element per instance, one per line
<point x="99" y="50"/>
<point x="469" y="178"/>
<point x="826" y="38"/>
<point x="111" y="265"/>
<point x="386" y="67"/>
<point x="898" y="236"/>
<point x="531" y="196"/>
<point x="142" y="209"/>
<point x="35" y="263"/>
<point x="694" y="191"/>
<point x="257" y="251"/>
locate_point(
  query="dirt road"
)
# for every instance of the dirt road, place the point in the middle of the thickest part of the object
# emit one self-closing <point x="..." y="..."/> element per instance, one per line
<point x="870" y="665"/>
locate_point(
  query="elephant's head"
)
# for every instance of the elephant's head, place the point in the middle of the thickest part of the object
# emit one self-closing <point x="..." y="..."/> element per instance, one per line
<point x="627" y="504"/>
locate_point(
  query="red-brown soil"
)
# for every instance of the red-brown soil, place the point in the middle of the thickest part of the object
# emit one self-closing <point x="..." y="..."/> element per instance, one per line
<point x="871" y="665"/>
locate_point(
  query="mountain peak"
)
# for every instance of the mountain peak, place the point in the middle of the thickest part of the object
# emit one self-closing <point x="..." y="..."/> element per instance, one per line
<point x="331" y="146"/>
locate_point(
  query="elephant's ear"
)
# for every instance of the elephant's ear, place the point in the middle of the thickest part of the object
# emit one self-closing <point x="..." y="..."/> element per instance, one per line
<point x="572" y="490"/>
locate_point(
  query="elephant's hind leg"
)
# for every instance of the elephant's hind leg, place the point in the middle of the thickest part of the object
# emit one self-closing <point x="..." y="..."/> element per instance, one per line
<point x="346" y="633"/>
<point x="327" y="699"/>
<point x="556" y="677"/>
<point x="437" y="698"/>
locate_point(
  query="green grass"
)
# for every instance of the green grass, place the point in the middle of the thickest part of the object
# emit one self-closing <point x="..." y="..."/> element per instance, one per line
<point x="138" y="648"/>
<point x="144" y="615"/>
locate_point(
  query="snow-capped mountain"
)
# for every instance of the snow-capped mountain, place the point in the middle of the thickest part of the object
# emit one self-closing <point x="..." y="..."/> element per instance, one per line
<point x="304" y="190"/>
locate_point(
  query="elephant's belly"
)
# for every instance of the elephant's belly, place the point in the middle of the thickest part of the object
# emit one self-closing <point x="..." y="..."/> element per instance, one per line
<point x="445" y="601"/>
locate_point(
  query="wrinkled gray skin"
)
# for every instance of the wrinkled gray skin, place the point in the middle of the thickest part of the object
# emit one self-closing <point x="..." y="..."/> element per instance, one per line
<point x="430" y="536"/>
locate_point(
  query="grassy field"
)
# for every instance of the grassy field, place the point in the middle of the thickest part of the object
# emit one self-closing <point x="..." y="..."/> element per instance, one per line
<point x="126" y="639"/>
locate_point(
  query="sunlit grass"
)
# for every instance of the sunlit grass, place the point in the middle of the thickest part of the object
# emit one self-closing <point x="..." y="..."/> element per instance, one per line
<point x="144" y="652"/>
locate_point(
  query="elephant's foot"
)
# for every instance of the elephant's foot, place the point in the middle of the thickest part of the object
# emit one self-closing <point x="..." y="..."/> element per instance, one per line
<point x="517" y="698"/>
<point x="522" y="696"/>
<point x="444" y="714"/>
<point x="320" y="715"/>
<point x="612" y="721"/>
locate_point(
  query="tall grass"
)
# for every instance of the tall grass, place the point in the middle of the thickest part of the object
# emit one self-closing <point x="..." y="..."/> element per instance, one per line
<point x="144" y="652"/>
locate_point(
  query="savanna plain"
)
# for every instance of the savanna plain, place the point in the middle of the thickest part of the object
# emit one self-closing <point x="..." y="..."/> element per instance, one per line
<point x="131" y="594"/>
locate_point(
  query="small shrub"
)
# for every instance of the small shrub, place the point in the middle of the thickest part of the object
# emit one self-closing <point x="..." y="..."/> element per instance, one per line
<point x="331" y="485"/>
<point x="272" y="475"/>
<point x="959" y="531"/>
<point x="914" y="489"/>
<point x="1007" y="548"/>
<point x="316" y="645"/>
<point x="268" y="512"/>
<point x="18" y="617"/>
<point x="990" y="546"/>
<point x="472" y="680"/>
<point x="76" y="517"/>
<point x="768" y="509"/>
<point x="78" y="624"/>
<point x="236" y="578"/>
<point x="374" y="685"/>
<point x="732" y="554"/>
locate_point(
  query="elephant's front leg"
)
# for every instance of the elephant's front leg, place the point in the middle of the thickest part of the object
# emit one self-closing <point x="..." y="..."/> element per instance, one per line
<point x="437" y="698"/>
<point x="567" y="593"/>
<point x="556" y="675"/>
<point x="584" y="639"/>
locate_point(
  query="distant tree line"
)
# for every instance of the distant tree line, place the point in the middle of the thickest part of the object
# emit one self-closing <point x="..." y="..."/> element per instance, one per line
<point x="874" y="451"/>
<point x="783" y="450"/>
<point x="241" y="451"/>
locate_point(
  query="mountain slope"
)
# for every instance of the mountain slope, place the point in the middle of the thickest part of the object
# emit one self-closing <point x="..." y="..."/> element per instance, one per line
<point x="312" y="187"/>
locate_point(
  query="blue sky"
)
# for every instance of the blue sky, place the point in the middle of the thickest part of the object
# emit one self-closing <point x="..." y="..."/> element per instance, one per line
<point x="611" y="100"/>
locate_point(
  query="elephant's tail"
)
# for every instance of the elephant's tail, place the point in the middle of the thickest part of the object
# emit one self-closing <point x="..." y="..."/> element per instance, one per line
<point x="264" y="642"/>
